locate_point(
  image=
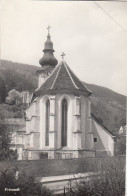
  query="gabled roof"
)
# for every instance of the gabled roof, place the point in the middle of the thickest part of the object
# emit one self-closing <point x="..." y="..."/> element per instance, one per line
<point x="97" y="121"/>
<point x="62" y="80"/>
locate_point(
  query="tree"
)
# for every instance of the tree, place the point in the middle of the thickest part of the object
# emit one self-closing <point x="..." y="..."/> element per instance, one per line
<point x="108" y="181"/>
<point x="121" y="145"/>
<point x="115" y="118"/>
<point x="100" y="120"/>
<point x="5" y="138"/>
<point x="123" y="122"/>
<point x="26" y="184"/>
<point x="14" y="97"/>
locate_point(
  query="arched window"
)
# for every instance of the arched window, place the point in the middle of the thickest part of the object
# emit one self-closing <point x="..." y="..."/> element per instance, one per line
<point x="64" y="123"/>
<point x="47" y="123"/>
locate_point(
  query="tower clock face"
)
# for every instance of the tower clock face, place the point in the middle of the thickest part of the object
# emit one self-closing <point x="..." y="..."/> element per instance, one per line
<point x="49" y="72"/>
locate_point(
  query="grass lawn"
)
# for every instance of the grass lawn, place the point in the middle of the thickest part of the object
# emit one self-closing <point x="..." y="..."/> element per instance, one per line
<point x="51" y="167"/>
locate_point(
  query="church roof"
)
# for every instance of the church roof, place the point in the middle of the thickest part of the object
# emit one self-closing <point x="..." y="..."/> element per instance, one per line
<point x="104" y="128"/>
<point x="62" y="80"/>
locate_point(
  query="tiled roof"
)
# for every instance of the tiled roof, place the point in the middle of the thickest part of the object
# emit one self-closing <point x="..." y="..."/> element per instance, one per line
<point x="62" y="80"/>
<point x="105" y="128"/>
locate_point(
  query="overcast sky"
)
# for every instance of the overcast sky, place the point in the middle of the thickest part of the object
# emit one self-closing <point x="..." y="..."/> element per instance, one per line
<point x="93" y="39"/>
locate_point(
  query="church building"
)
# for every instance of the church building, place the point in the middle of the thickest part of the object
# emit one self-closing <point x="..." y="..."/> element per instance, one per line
<point x="59" y="123"/>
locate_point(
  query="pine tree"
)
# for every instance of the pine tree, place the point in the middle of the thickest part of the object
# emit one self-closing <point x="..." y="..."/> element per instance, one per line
<point x="2" y="90"/>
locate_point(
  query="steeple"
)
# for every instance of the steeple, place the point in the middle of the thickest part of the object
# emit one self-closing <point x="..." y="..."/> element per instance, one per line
<point x="48" y="58"/>
<point x="47" y="62"/>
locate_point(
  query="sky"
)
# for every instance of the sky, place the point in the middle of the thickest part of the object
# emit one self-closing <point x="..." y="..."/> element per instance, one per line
<point x="92" y="35"/>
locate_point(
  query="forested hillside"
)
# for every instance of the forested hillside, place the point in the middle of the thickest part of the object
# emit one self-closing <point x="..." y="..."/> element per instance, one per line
<point x="107" y="105"/>
<point x="18" y="76"/>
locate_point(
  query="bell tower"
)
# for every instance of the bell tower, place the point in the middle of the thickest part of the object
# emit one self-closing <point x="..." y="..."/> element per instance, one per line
<point x="47" y="62"/>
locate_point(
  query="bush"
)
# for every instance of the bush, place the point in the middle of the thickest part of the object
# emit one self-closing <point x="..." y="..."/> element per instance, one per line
<point x="120" y="146"/>
<point x="109" y="181"/>
<point x="4" y="140"/>
<point x="26" y="184"/>
<point x="8" y="154"/>
<point x="14" y="108"/>
<point x="13" y="154"/>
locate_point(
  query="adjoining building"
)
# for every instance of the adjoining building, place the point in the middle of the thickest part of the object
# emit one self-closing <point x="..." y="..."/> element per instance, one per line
<point x="17" y="130"/>
<point x="59" y="123"/>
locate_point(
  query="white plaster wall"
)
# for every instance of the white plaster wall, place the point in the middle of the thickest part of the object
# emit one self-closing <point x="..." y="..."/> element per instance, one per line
<point x="41" y="79"/>
<point x="32" y="122"/>
<point x="27" y="141"/>
<point x="52" y="131"/>
<point x="36" y="140"/>
<point x="86" y="123"/>
<point x="51" y="139"/>
<point x="20" y="153"/>
<point x="42" y="121"/>
<point x="106" y="138"/>
<point x="79" y="145"/>
<point x="52" y="123"/>
<point x="31" y="140"/>
<point x="43" y="75"/>
<point x="77" y="123"/>
<point x="74" y="139"/>
<point x="83" y="120"/>
<point x="19" y="139"/>
<point x="32" y="125"/>
<point x="31" y="111"/>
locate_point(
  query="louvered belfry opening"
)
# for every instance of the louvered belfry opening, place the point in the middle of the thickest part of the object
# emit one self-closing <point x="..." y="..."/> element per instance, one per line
<point x="47" y="123"/>
<point x="64" y="123"/>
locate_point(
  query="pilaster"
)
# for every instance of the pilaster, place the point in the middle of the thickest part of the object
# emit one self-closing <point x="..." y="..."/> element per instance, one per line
<point x="42" y="124"/>
<point x="77" y="124"/>
<point x="89" y="143"/>
<point x="52" y="131"/>
<point x="31" y="140"/>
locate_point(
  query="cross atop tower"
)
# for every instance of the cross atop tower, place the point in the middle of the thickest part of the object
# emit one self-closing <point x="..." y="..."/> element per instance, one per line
<point x="48" y="29"/>
<point x="63" y="55"/>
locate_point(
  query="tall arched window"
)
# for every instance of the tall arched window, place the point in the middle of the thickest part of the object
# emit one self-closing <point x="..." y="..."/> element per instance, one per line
<point x="64" y="123"/>
<point x="47" y="123"/>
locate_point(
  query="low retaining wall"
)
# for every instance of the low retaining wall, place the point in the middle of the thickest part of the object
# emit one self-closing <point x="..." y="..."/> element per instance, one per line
<point x="62" y="183"/>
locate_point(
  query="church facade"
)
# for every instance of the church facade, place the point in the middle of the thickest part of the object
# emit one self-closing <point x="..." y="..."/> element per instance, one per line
<point x="59" y="123"/>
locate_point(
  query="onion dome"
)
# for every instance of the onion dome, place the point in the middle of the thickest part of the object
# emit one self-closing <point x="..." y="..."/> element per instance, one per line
<point x="48" y="58"/>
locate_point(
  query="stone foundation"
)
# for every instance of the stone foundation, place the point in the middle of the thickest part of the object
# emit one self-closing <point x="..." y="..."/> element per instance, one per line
<point x="58" y="154"/>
